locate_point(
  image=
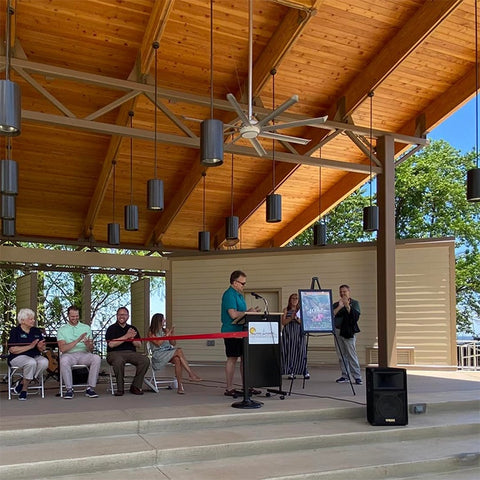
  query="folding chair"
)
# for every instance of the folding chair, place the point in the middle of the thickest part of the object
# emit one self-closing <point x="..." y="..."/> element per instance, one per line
<point x="79" y="385"/>
<point x="155" y="378"/>
<point x="14" y="374"/>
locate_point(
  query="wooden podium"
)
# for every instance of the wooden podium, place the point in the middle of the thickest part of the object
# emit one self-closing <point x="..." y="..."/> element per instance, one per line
<point x="261" y="355"/>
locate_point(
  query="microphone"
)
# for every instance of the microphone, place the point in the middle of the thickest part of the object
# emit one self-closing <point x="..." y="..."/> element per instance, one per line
<point x="256" y="295"/>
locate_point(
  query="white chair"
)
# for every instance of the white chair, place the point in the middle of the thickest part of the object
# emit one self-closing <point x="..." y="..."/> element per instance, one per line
<point x="14" y="374"/>
<point x="155" y="378"/>
<point x="126" y="382"/>
<point x="79" y="386"/>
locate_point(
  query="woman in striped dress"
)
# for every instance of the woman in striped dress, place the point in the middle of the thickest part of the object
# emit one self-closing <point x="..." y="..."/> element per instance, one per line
<point x="294" y="347"/>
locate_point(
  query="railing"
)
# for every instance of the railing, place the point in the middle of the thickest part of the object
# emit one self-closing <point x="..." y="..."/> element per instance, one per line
<point x="468" y="355"/>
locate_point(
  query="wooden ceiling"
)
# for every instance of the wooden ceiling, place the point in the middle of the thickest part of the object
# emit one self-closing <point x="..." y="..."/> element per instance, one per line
<point x="83" y="65"/>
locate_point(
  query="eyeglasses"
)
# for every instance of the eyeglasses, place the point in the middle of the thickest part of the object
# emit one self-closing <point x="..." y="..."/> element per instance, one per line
<point x="241" y="283"/>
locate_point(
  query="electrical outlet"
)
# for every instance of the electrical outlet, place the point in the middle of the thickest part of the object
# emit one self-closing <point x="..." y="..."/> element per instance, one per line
<point x="210" y="343"/>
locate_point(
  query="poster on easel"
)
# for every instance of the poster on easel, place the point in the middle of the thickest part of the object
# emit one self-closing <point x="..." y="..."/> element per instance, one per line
<point x="316" y="311"/>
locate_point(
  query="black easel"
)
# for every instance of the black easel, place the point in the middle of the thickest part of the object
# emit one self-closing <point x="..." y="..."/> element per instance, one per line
<point x="315" y="285"/>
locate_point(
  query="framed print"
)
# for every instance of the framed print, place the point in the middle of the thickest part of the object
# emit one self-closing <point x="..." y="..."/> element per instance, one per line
<point x="316" y="311"/>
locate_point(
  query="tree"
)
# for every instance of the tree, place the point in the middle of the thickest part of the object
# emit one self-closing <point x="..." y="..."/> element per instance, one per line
<point x="430" y="202"/>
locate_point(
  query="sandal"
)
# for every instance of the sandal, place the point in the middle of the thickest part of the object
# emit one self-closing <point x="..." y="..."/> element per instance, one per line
<point x="230" y="393"/>
<point x="180" y="389"/>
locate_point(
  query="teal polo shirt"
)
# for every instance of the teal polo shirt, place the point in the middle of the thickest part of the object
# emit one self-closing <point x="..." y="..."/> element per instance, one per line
<point x="232" y="299"/>
<point x="68" y="333"/>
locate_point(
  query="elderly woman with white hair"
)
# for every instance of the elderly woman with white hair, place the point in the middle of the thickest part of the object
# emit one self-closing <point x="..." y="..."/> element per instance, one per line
<point x="25" y="347"/>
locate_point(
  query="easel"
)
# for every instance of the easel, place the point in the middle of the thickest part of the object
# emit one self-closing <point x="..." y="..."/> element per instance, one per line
<point x="315" y="285"/>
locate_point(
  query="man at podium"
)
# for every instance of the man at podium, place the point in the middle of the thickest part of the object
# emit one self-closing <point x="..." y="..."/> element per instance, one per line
<point x="233" y="309"/>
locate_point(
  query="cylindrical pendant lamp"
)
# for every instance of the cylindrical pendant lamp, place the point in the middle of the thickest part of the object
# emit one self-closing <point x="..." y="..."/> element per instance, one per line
<point x="8" y="228"/>
<point x="231" y="228"/>
<point x="211" y="142"/>
<point x="370" y="218"/>
<point x="114" y="234"/>
<point x="8" y="177"/>
<point x="204" y="241"/>
<point x="131" y="217"/>
<point x="274" y="208"/>
<point x="155" y="194"/>
<point x="473" y="185"/>
<point x="10" y="108"/>
<point x="320" y="234"/>
<point x="8" y="207"/>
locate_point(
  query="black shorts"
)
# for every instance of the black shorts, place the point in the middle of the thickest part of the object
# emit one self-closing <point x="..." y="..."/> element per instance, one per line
<point x="233" y="347"/>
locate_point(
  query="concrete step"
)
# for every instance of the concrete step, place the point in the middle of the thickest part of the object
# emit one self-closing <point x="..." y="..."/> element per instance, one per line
<point x="257" y="444"/>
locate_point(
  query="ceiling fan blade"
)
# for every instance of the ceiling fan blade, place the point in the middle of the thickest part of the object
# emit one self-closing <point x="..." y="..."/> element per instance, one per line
<point x="284" y="138"/>
<point x="287" y="104"/>
<point x="233" y="140"/>
<point x="258" y="147"/>
<point x="238" y="109"/>
<point x="298" y="123"/>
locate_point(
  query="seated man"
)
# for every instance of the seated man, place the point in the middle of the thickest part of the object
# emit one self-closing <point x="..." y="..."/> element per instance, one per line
<point x="122" y="349"/>
<point x="76" y="345"/>
<point x="25" y="347"/>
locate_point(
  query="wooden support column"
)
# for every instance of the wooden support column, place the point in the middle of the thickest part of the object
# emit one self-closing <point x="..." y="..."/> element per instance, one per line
<point x="27" y="292"/>
<point x="140" y="302"/>
<point x="87" y="299"/>
<point x="386" y="303"/>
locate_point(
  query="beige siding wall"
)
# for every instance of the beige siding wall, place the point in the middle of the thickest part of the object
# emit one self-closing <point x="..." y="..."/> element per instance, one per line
<point x="425" y="304"/>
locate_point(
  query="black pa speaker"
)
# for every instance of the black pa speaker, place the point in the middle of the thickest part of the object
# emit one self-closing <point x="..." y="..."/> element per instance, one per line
<point x="387" y="396"/>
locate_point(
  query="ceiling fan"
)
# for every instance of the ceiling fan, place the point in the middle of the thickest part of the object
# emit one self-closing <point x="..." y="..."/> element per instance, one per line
<point x="250" y="126"/>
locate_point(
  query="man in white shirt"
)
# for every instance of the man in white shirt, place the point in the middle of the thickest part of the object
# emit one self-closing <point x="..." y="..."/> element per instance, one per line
<point x="76" y="345"/>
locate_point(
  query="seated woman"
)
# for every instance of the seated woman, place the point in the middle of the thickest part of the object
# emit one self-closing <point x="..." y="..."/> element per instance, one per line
<point x="164" y="351"/>
<point x="25" y="347"/>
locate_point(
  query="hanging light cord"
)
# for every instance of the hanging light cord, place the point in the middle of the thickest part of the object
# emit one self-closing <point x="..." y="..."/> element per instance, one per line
<point x="131" y="158"/>
<point x="114" y="163"/>
<point x="371" y="142"/>
<point x="155" y="46"/>
<point x="211" y="59"/>
<point x="204" y="174"/>
<point x="10" y="12"/>
<point x="476" y="82"/>
<point x="231" y="187"/>
<point x="273" y="72"/>
<point x="320" y="188"/>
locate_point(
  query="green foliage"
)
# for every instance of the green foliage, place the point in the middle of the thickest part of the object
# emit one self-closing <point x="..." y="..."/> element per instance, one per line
<point x="430" y="202"/>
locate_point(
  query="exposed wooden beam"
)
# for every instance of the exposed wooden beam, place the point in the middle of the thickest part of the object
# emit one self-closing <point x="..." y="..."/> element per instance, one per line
<point x="281" y="42"/>
<point x="391" y="55"/>
<point x="155" y="27"/>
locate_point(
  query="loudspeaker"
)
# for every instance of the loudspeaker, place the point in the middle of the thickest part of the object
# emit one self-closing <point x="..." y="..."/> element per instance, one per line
<point x="387" y="396"/>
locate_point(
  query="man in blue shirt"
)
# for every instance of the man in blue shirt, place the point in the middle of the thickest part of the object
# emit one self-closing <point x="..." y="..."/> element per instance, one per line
<point x="233" y="308"/>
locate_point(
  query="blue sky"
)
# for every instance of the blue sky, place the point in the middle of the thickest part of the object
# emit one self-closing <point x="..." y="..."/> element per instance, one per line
<point x="458" y="129"/>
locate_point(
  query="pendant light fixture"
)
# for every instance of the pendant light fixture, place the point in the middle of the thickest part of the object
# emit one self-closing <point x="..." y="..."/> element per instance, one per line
<point x="320" y="228"/>
<point x="211" y="130"/>
<point x="231" y="222"/>
<point x="473" y="175"/>
<point x="155" y="185"/>
<point x="274" y="200"/>
<point x="10" y="96"/>
<point x="204" y="236"/>
<point x="8" y="227"/>
<point x="370" y="213"/>
<point x="8" y="207"/>
<point x="8" y="172"/>
<point x="131" y="210"/>
<point x="113" y="228"/>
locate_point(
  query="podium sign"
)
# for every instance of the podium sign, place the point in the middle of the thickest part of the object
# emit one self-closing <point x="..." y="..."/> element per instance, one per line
<point x="262" y="350"/>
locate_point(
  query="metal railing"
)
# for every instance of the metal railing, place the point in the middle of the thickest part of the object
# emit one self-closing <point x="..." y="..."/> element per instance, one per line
<point x="468" y="355"/>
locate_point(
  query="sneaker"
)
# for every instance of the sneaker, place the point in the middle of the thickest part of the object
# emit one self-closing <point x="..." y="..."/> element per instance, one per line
<point x="89" y="392"/>
<point x="68" y="394"/>
<point x="358" y="381"/>
<point x="18" y="387"/>
<point x="22" y="395"/>
<point x="306" y="376"/>
<point x="292" y="377"/>
<point x="342" y="380"/>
